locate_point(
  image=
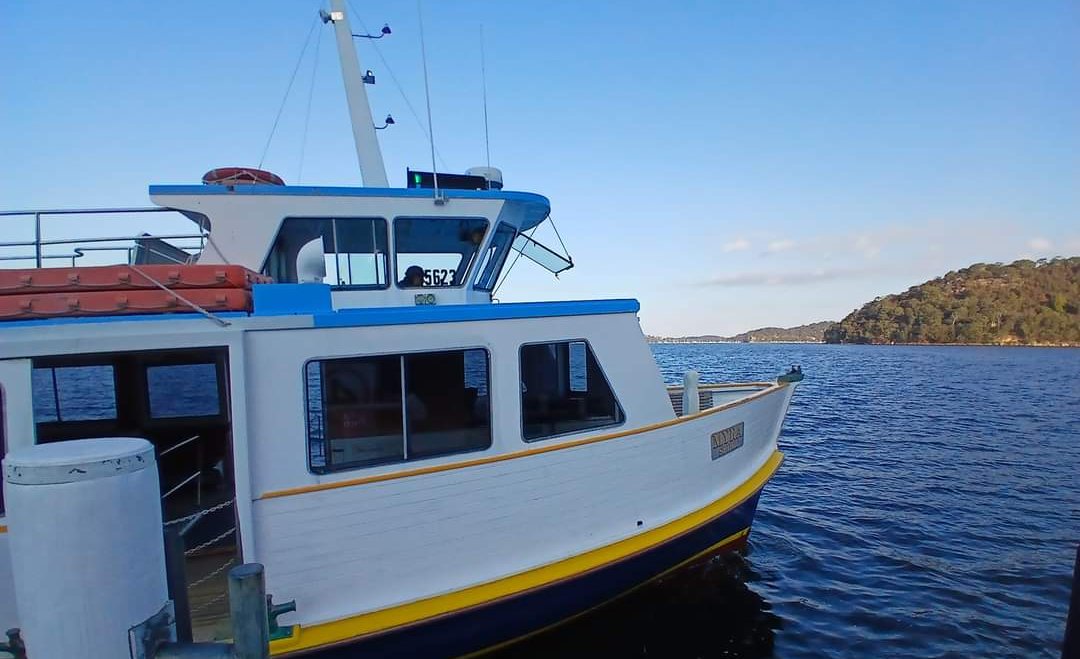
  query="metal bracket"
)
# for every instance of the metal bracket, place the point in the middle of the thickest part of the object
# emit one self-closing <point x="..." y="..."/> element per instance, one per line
<point x="273" y="612"/>
<point x="145" y="637"/>
<point x="15" y="646"/>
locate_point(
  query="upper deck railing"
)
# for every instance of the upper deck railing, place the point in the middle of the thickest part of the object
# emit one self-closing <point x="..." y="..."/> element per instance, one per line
<point x="141" y="248"/>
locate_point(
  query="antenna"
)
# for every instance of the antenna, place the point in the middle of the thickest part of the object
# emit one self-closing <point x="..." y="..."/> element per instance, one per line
<point x="483" y="78"/>
<point x="427" y="97"/>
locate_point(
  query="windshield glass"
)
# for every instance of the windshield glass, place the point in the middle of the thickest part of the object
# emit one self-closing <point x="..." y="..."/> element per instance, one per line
<point x="436" y="252"/>
<point x="494" y="256"/>
<point x="354" y="249"/>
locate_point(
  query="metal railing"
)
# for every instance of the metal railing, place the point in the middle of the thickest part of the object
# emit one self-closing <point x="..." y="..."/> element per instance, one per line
<point x="39" y="253"/>
<point x="706" y="398"/>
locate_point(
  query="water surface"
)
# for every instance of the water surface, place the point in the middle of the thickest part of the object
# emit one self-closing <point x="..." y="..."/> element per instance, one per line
<point x="929" y="506"/>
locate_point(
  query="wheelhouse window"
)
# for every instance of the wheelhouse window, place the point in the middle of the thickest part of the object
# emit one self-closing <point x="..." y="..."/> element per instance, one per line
<point x="436" y="252"/>
<point x="354" y="250"/>
<point x="365" y="411"/>
<point x="493" y="258"/>
<point x="564" y="391"/>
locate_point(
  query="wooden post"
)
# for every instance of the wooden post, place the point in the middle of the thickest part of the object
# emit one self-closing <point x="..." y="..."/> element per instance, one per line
<point x="176" y="577"/>
<point x="247" y="608"/>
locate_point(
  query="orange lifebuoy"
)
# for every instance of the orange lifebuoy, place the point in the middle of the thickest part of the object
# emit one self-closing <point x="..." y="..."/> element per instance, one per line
<point x="241" y="176"/>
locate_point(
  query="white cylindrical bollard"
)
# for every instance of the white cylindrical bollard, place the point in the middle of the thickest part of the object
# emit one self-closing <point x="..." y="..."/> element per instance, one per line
<point x="691" y="402"/>
<point x="84" y="519"/>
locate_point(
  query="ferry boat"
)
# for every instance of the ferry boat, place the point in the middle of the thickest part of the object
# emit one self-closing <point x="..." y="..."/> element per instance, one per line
<point x="334" y="393"/>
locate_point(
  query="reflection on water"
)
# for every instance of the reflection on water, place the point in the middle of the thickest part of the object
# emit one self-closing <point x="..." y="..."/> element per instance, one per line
<point x="701" y="611"/>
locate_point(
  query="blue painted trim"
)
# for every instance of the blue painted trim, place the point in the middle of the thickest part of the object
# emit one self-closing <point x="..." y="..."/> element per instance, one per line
<point x="149" y="317"/>
<point x="291" y="299"/>
<point x="457" y="313"/>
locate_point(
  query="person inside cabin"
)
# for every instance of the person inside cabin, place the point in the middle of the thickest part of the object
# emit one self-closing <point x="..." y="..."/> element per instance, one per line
<point x="476" y="236"/>
<point x="414" y="277"/>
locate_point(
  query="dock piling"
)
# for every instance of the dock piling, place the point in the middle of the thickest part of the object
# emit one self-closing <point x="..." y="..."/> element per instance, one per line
<point x="247" y="608"/>
<point x="176" y="578"/>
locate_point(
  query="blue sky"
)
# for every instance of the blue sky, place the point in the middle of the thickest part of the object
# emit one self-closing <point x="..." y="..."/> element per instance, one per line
<point x="730" y="164"/>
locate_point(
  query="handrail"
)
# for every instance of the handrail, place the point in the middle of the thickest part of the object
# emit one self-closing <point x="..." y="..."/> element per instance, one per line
<point x="87" y="211"/>
<point x="197" y="474"/>
<point x="108" y="239"/>
<point x="178" y="445"/>
<point x="38" y="243"/>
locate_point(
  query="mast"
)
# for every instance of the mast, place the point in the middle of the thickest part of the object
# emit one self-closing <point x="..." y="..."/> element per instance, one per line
<point x="368" y="154"/>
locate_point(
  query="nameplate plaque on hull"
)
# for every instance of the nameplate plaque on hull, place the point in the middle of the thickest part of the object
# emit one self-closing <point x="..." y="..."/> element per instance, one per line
<point x="726" y="440"/>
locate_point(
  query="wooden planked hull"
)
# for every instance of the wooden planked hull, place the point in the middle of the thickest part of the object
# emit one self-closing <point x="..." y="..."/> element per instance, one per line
<point x="515" y="617"/>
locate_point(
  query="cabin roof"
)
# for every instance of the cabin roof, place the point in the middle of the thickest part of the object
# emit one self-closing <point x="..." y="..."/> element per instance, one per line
<point x="536" y="207"/>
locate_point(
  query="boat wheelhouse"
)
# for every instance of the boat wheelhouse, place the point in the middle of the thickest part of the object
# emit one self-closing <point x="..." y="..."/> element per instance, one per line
<point x="421" y="470"/>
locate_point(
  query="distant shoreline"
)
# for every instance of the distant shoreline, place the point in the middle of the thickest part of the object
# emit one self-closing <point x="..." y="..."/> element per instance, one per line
<point x="964" y="345"/>
<point x="677" y="342"/>
<point x="918" y="345"/>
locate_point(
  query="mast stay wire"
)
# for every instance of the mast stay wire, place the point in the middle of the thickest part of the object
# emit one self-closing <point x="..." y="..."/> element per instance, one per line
<point x="427" y="97"/>
<point x="292" y="79"/>
<point x="397" y="83"/>
<point x="483" y="78"/>
<point x="307" y="114"/>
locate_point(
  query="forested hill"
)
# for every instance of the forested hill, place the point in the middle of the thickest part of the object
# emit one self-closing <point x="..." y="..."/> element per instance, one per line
<point x="1026" y="303"/>
<point x="802" y="334"/>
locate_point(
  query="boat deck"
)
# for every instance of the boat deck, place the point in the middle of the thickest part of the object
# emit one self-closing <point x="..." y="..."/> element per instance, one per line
<point x="716" y="395"/>
<point x="208" y="593"/>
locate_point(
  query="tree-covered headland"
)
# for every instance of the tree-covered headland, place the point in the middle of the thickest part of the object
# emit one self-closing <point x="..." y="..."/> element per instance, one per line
<point x="1022" y="303"/>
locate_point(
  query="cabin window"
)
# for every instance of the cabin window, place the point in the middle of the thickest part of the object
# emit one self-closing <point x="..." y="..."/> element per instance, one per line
<point x="439" y="250"/>
<point x="183" y="390"/>
<point x="564" y="391"/>
<point x="493" y="258"/>
<point x="354" y="250"/>
<point x="364" y="411"/>
<point x="74" y="393"/>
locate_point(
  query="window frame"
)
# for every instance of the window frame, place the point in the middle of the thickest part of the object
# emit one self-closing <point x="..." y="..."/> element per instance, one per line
<point x="220" y="375"/>
<point x="51" y="364"/>
<point x="328" y="471"/>
<point x="466" y="278"/>
<point x="603" y="374"/>
<point x="496" y="270"/>
<point x="3" y="441"/>
<point x="331" y="218"/>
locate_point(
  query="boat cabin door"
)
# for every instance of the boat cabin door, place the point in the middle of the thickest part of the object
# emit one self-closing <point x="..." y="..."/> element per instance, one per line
<point x="16" y="430"/>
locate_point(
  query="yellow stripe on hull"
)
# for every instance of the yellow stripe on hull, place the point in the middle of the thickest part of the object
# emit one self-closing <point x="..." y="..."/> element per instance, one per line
<point x="331" y="633"/>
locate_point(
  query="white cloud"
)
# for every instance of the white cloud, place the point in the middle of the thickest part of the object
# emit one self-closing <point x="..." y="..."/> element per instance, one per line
<point x="780" y="246"/>
<point x="737" y="245"/>
<point x="1040" y="244"/>
<point x="868" y="246"/>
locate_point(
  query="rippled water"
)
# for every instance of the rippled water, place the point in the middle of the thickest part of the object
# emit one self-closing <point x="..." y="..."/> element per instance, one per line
<point x="929" y="505"/>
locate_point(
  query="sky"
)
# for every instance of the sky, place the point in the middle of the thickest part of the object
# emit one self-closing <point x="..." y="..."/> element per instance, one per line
<point x="730" y="164"/>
